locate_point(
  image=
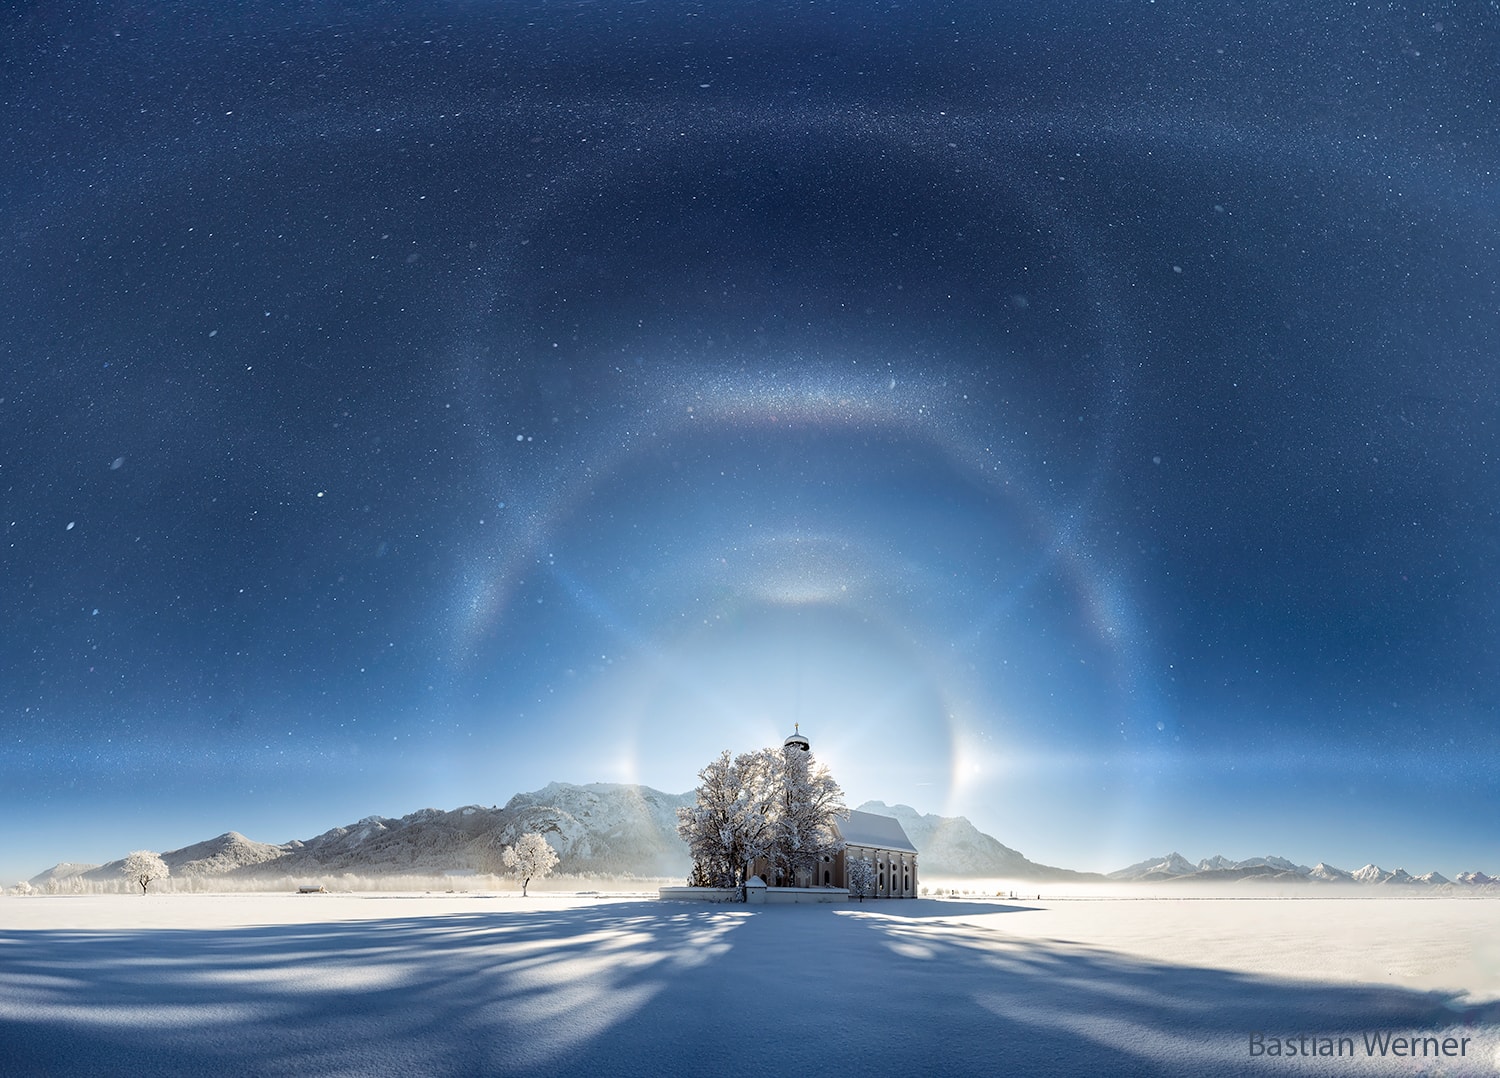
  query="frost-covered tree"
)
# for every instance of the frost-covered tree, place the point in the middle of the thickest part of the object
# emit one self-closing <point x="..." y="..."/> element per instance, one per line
<point x="530" y="858"/>
<point x="773" y="803"/>
<point x="143" y="866"/>
<point x="733" y="818"/>
<point x="859" y="874"/>
<point x="809" y="804"/>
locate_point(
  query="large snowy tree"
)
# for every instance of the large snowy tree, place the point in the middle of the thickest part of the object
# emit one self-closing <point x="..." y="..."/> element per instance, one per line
<point x="143" y="866"/>
<point x="772" y="803"/>
<point x="733" y="818"/>
<point x="810" y="802"/>
<point x="530" y="858"/>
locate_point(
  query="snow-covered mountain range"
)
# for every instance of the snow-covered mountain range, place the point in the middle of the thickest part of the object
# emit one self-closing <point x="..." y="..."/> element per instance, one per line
<point x="1174" y="867"/>
<point x="598" y="829"/>
<point x="952" y="846"/>
<point x="628" y="830"/>
<point x="602" y="828"/>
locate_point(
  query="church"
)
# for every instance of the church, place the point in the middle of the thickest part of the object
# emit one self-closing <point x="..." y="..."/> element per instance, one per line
<point x="883" y="840"/>
<point x="880" y="839"/>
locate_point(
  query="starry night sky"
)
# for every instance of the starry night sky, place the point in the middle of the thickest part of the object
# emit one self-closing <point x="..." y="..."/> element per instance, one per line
<point x="1082" y="417"/>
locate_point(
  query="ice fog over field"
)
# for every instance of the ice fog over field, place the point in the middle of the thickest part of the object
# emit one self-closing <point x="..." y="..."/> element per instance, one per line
<point x="572" y="985"/>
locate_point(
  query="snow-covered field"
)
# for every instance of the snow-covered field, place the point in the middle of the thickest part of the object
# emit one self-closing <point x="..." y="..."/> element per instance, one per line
<point x="621" y="985"/>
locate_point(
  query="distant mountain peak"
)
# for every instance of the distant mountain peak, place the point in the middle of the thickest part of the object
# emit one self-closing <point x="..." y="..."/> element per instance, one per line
<point x="1278" y="869"/>
<point x="952" y="846"/>
<point x="1325" y="871"/>
<point x="1173" y="864"/>
<point x="216" y="856"/>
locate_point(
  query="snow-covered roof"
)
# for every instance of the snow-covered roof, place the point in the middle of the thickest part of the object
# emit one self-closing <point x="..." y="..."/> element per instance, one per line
<point x="868" y="829"/>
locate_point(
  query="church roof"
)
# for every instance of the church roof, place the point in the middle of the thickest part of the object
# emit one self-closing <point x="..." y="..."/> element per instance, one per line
<point x="868" y="829"/>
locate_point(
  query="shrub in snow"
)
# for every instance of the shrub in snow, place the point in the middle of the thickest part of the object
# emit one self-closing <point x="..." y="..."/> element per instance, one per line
<point x="529" y="858"/>
<point x="860" y="875"/>
<point x="143" y="866"/>
<point x="700" y="877"/>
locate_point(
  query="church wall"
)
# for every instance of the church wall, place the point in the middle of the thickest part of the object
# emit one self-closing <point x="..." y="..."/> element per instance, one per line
<point x="895" y="870"/>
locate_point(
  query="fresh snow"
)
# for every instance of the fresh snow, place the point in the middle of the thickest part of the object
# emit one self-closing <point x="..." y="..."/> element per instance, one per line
<point x="565" y="985"/>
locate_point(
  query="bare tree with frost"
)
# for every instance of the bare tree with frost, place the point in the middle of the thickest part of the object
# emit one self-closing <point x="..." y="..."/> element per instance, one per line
<point x="809" y="804"/>
<point x="772" y="803"/>
<point x="142" y="867"/>
<point x="530" y="858"/>
<point x="732" y="820"/>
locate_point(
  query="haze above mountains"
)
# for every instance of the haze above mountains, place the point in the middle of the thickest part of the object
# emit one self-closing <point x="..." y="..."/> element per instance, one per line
<point x="608" y="829"/>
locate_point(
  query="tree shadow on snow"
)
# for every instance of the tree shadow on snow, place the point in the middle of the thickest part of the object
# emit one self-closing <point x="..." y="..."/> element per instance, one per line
<point x="652" y="988"/>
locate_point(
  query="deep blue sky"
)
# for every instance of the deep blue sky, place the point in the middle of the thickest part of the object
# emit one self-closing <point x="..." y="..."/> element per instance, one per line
<point x="1083" y="417"/>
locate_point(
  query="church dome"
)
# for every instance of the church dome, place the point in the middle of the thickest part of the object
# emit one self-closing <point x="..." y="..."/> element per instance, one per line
<point x="797" y="739"/>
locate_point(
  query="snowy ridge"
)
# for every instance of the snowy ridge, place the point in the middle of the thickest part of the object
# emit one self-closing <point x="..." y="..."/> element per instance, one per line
<point x="66" y="870"/>
<point x="604" y="828"/>
<point x="1322" y="871"/>
<point x="1175" y="867"/>
<point x="630" y="830"/>
<point x="1158" y="868"/>
<point x="952" y="846"/>
<point x="229" y="852"/>
<point x="597" y="829"/>
<point x="601" y="828"/>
